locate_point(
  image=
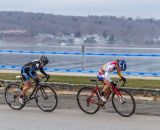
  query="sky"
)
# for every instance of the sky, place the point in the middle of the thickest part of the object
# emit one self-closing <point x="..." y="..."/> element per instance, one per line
<point x="119" y="8"/>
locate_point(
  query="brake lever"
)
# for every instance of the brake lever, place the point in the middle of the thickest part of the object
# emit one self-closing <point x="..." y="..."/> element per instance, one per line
<point x="124" y="82"/>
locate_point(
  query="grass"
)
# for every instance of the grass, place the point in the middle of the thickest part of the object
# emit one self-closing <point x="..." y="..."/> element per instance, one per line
<point x="134" y="83"/>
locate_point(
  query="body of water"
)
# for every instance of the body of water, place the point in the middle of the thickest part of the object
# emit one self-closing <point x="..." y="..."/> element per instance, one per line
<point x="87" y="62"/>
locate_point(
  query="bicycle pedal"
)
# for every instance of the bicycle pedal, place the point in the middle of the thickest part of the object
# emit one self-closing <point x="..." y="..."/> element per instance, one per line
<point x="102" y="106"/>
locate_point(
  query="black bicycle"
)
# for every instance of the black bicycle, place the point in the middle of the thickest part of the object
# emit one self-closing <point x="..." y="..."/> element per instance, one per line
<point x="44" y="95"/>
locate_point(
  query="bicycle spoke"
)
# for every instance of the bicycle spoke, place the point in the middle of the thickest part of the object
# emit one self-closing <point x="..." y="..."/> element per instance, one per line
<point x="12" y="96"/>
<point x="44" y="93"/>
<point x="123" y="103"/>
<point x="88" y="100"/>
<point x="46" y="98"/>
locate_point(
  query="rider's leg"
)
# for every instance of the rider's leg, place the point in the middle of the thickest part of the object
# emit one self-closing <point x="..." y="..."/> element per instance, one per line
<point x="106" y="82"/>
<point x="106" y="86"/>
<point x="26" y="86"/>
<point x="22" y="96"/>
<point x="105" y="90"/>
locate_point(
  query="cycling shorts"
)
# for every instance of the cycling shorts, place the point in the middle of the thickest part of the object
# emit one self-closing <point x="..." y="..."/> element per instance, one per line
<point x="106" y="76"/>
<point x="26" y="75"/>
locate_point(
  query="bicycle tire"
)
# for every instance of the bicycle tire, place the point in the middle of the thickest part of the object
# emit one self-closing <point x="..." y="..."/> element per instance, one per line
<point x="46" y="98"/>
<point x="126" y="105"/>
<point x="83" y="94"/>
<point x="12" y="96"/>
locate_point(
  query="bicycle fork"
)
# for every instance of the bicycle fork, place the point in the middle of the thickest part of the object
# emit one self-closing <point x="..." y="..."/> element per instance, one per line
<point x="119" y="95"/>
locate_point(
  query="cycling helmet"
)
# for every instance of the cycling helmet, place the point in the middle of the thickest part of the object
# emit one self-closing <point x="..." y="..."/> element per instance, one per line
<point x="44" y="60"/>
<point x="122" y="64"/>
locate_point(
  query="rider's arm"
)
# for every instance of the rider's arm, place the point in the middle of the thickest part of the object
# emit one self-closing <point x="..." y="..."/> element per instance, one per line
<point x="119" y="72"/>
<point x="43" y="72"/>
<point x="120" y="75"/>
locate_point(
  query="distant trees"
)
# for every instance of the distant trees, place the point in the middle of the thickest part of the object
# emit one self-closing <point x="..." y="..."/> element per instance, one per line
<point x="109" y="27"/>
<point x="105" y="34"/>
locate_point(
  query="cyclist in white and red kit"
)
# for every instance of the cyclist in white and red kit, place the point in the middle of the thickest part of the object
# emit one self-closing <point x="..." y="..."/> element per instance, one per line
<point x="104" y="75"/>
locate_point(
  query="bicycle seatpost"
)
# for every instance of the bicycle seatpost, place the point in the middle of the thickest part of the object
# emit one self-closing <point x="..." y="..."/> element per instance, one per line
<point x="94" y="80"/>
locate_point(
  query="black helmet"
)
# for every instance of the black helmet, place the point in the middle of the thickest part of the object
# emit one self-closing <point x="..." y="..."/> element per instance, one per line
<point x="44" y="60"/>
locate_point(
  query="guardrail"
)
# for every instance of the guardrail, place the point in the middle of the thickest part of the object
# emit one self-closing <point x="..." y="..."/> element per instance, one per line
<point x="83" y="71"/>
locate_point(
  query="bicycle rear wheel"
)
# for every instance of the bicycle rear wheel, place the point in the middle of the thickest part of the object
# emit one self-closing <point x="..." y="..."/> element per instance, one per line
<point x="124" y="104"/>
<point x="46" y="98"/>
<point x="88" y="100"/>
<point x="12" y="96"/>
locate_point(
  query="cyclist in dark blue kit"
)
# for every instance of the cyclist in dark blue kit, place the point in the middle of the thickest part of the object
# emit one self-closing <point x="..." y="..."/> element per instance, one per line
<point x="29" y="72"/>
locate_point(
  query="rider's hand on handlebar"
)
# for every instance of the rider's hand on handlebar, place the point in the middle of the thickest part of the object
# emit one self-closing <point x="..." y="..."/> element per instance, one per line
<point x="45" y="78"/>
<point x="113" y="83"/>
<point x="48" y="76"/>
<point x="124" y="79"/>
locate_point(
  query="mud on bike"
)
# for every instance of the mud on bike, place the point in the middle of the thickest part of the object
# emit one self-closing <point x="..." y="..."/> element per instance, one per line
<point x="44" y="95"/>
<point x="88" y="99"/>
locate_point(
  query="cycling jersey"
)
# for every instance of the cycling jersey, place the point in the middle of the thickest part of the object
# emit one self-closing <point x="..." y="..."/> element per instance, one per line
<point x="109" y="67"/>
<point x="29" y="70"/>
<point x="106" y="69"/>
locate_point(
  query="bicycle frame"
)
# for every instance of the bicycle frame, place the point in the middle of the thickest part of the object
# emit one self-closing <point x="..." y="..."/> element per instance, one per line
<point x="97" y="90"/>
<point x="89" y="99"/>
<point x="32" y="93"/>
<point x="36" y="85"/>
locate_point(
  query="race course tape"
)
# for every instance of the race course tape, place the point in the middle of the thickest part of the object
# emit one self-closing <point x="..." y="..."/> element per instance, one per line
<point x="154" y="74"/>
<point x="77" y="53"/>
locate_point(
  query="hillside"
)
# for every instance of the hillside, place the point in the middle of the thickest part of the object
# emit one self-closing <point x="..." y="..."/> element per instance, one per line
<point x="28" y="27"/>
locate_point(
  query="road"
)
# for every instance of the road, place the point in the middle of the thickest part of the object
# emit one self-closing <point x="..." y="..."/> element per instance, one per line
<point x="31" y="118"/>
<point x="143" y="107"/>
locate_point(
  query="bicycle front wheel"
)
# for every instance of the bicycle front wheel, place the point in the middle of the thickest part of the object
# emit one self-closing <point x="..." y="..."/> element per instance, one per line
<point x="46" y="98"/>
<point x="123" y="102"/>
<point x="12" y="93"/>
<point x="88" y="100"/>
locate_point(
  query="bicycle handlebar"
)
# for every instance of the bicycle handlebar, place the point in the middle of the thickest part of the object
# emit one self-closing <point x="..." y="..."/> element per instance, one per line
<point x="124" y="82"/>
